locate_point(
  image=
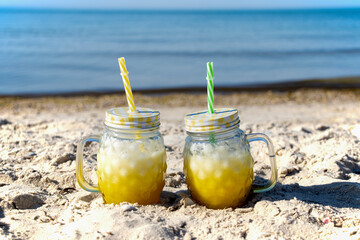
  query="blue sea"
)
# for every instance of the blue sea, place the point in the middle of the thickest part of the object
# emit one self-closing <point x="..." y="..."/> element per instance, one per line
<point x="62" y="51"/>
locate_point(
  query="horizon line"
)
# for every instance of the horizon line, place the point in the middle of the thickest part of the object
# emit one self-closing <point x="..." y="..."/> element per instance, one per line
<point x="175" y="9"/>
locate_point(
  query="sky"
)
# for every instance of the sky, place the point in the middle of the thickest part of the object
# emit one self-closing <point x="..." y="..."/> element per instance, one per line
<point x="178" y="4"/>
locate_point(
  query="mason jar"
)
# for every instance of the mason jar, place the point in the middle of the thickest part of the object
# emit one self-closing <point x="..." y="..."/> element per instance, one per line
<point x="217" y="161"/>
<point x="131" y="160"/>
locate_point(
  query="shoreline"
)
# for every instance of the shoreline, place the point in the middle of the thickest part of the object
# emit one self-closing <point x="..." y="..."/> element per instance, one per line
<point x="342" y="83"/>
<point x="269" y="98"/>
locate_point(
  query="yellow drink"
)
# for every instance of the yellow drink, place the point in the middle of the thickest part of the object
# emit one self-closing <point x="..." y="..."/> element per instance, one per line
<point x="218" y="175"/>
<point x="131" y="171"/>
<point x="217" y="162"/>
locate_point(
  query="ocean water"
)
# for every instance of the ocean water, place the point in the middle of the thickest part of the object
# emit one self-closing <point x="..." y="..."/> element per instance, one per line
<point x="48" y="51"/>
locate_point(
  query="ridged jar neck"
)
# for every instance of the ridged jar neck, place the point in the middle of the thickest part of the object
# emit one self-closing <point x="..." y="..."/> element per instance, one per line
<point x="132" y="133"/>
<point x="217" y="135"/>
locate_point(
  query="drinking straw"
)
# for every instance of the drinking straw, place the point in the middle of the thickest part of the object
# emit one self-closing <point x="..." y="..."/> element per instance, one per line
<point x="210" y="93"/>
<point x="210" y="87"/>
<point x="125" y="76"/>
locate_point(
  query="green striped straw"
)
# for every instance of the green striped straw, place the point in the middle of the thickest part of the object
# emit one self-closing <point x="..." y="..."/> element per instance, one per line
<point x="210" y="87"/>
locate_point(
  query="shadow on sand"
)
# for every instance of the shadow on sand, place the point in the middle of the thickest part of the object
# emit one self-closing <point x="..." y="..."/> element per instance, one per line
<point x="338" y="194"/>
<point x="4" y="226"/>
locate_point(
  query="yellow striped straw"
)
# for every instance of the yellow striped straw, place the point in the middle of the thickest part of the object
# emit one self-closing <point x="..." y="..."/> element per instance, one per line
<point x="125" y="76"/>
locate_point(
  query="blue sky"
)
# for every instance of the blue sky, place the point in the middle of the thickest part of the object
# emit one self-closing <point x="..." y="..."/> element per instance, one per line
<point x="179" y="4"/>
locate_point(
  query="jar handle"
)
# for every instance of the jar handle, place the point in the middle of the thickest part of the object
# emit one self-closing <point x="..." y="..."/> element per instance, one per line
<point x="273" y="178"/>
<point x="80" y="163"/>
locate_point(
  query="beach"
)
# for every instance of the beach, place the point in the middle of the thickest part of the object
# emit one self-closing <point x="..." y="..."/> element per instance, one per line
<point x="316" y="135"/>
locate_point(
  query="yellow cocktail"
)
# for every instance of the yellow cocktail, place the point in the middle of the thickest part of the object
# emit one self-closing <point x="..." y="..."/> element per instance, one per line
<point x="216" y="177"/>
<point x="131" y="176"/>
<point x="217" y="162"/>
<point x="131" y="161"/>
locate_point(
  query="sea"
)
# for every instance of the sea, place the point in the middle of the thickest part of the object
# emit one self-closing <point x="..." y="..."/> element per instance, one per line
<point x="66" y="51"/>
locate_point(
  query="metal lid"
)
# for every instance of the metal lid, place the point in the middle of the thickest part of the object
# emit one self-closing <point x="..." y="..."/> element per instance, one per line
<point x="143" y="118"/>
<point x="222" y="118"/>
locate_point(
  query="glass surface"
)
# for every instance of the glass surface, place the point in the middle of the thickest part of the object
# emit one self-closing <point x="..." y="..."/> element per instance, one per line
<point x="218" y="168"/>
<point x="131" y="166"/>
<point x="130" y="169"/>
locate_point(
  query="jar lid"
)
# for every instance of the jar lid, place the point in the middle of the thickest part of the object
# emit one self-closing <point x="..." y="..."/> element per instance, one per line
<point x="143" y="118"/>
<point x="222" y="118"/>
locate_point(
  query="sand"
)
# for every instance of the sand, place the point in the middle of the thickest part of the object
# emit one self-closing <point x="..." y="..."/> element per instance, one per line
<point x="316" y="134"/>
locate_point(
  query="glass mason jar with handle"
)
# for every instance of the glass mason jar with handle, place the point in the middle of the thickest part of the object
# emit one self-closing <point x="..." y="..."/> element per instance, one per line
<point x="131" y="161"/>
<point x="217" y="162"/>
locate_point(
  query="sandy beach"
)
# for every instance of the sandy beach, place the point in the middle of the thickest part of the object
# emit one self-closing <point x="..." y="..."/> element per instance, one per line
<point x="316" y="135"/>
